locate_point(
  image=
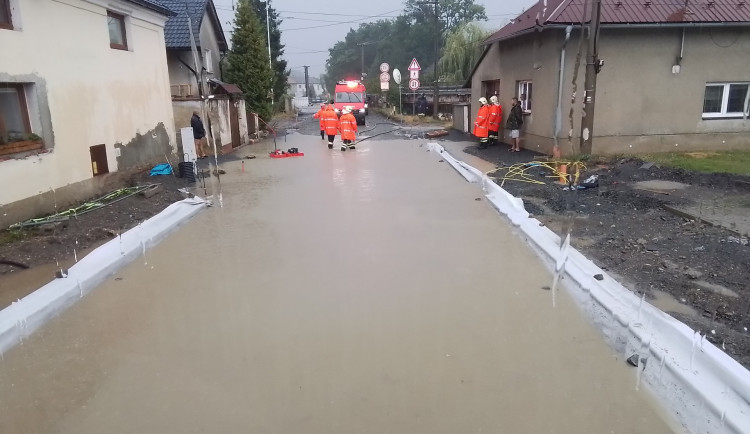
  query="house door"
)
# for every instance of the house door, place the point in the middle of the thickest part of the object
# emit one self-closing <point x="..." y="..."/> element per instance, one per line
<point x="234" y="123"/>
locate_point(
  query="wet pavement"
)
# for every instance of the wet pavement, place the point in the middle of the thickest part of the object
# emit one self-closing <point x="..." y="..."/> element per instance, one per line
<point x="364" y="291"/>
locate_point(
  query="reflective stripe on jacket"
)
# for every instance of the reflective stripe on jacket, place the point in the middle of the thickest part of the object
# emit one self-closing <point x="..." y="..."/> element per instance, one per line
<point x="348" y="127"/>
<point x="496" y="116"/>
<point x="482" y="122"/>
<point x="319" y="117"/>
<point x="330" y="122"/>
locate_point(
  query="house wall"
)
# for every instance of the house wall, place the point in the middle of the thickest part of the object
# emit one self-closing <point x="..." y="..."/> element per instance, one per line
<point x="83" y="93"/>
<point x="218" y="120"/>
<point x="179" y="73"/>
<point x="298" y="89"/>
<point x="208" y="41"/>
<point x="641" y="106"/>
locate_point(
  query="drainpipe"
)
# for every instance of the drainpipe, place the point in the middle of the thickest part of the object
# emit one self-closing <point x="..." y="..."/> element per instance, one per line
<point x="558" y="110"/>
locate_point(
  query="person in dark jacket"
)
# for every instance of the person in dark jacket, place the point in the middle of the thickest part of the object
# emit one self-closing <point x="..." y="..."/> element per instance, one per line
<point x="515" y="120"/>
<point x="199" y="133"/>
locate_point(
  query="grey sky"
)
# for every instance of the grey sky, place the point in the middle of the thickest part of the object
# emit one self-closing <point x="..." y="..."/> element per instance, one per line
<point x="305" y="46"/>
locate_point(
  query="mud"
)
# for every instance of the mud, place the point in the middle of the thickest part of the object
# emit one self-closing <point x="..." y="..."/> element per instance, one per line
<point x="333" y="293"/>
<point x="628" y="226"/>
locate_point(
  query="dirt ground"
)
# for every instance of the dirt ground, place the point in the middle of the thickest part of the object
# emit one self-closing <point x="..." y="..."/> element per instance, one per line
<point x="40" y="246"/>
<point x="633" y="226"/>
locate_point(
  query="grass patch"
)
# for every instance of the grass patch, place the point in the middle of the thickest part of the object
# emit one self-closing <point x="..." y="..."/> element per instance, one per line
<point x="737" y="162"/>
<point x="7" y="237"/>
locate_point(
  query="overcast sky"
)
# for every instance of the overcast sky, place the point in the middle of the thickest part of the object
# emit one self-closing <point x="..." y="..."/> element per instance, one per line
<point x="309" y="46"/>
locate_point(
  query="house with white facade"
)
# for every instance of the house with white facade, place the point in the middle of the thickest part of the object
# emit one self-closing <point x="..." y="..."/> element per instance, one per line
<point x="84" y="96"/>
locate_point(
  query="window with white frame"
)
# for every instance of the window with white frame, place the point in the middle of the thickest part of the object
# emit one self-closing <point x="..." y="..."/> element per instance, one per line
<point x="524" y="95"/>
<point x="208" y="61"/>
<point x="725" y="100"/>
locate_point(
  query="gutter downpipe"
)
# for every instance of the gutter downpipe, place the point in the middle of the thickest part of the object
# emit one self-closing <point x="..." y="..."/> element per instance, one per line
<point x="558" y="110"/>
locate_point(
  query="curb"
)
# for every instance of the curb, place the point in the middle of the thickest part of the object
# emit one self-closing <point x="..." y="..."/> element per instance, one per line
<point x="19" y="320"/>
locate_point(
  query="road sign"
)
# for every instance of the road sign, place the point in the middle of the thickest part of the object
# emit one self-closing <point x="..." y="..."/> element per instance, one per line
<point x="384" y="85"/>
<point x="384" y="67"/>
<point x="414" y="65"/>
<point x="414" y="75"/>
<point x="397" y="76"/>
<point x="385" y="77"/>
<point x="413" y="84"/>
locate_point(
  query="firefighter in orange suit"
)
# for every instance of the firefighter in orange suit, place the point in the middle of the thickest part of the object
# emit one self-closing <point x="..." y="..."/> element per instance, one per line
<point x="319" y="116"/>
<point x="348" y="128"/>
<point x="481" y="125"/>
<point x="496" y="116"/>
<point x="331" y="124"/>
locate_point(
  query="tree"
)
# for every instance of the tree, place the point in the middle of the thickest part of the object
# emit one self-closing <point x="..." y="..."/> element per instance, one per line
<point x="311" y="91"/>
<point x="279" y="65"/>
<point x="452" y="13"/>
<point x="461" y="51"/>
<point x="247" y="61"/>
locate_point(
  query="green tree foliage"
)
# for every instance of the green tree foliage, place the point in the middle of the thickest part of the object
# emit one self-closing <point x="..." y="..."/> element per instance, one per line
<point x="461" y="52"/>
<point x="281" y="73"/>
<point x="247" y="61"/>
<point x="397" y="41"/>
<point x="311" y="91"/>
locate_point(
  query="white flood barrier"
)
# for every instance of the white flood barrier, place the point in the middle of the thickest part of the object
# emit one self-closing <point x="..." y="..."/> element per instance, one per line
<point x="702" y="387"/>
<point x="23" y="317"/>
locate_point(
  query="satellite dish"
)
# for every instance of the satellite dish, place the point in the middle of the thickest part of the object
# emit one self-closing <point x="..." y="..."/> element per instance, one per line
<point x="397" y="76"/>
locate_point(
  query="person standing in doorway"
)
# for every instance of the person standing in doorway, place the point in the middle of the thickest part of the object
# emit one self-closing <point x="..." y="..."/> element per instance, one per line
<point x="348" y="127"/>
<point x="496" y="116"/>
<point x="319" y="117"/>
<point x="482" y="123"/>
<point x="514" y="123"/>
<point x="199" y="134"/>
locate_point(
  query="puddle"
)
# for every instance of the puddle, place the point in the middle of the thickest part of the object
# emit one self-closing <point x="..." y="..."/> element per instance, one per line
<point x="667" y="303"/>
<point x="659" y="185"/>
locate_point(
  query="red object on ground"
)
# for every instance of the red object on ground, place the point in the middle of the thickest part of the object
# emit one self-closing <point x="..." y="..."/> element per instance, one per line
<point x="286" y="154"/>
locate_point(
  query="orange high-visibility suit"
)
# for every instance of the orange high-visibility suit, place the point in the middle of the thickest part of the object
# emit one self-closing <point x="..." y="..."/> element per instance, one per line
<point x="481" y="125"/>
<point x="496" y="116"/>
<point x="348" y="127"/>
<point x="319" y="116"/>
<point x="330" y="124"/>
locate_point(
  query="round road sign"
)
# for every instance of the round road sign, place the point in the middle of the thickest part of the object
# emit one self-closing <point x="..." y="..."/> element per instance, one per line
<point x="413" y="84"/>
<point x="384" y="76"/>
<point x="384" y="67"/>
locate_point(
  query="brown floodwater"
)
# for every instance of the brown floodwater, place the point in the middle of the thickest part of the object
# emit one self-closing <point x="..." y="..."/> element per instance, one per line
<point x="356" y="292"/>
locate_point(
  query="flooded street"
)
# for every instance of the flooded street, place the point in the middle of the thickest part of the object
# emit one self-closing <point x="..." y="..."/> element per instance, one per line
<point x="363" y="291"/>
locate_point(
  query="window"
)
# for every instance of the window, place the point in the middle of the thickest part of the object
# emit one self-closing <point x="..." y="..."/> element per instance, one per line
<point x="208" y="61"/>
<point x="524" y="95"/>
<point x="14" y="116"/>
<point x="117" y="38"/>
<point x="725" y="100"/>
<point x="6" y="21"/>
<point x="355" y="97"/>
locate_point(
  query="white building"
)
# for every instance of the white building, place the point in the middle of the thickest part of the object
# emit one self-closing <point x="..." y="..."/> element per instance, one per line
<point x="84" y="92"/>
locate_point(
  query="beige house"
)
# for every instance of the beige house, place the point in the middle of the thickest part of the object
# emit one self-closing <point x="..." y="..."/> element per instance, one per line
<point x="675" y="75"/>
<point x="191" y="83"/>
<point x="84" y="92"/>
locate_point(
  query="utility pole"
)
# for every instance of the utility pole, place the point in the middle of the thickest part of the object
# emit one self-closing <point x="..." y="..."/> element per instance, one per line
<point x="268" y="38"/>
<point x="593" y="66"/>
<point x="436" y="92"/>
<point x="307" y="82"/>
<point x="363" y="75"/>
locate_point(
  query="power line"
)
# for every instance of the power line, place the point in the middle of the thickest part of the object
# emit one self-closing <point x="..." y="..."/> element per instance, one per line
<point x="341" y="22"/>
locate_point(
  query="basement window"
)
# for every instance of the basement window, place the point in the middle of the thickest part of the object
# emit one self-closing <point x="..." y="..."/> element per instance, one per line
<point x="524" y="96"/>
<point x="725" y="100"/>
<point x="6" y="19"/>
<point x="117" y="37"/>
<point x="99" y="159"/>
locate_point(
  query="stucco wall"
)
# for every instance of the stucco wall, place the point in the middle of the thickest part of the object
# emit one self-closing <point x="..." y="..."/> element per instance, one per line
<point x="209" y="42"/>
<point x="641" y="106"/>
<point x="640" y="102"/>
<point x="181" y="74"/>
<point x="94" y="94"/>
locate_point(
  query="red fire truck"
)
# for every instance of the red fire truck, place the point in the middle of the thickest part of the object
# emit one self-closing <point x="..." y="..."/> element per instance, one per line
<point x="351" y="93"/>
